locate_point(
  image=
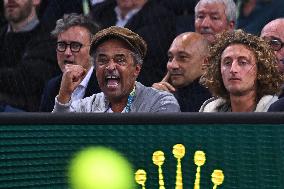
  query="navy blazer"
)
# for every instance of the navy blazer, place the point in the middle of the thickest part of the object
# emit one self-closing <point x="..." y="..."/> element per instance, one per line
<point x="52" y="89"/>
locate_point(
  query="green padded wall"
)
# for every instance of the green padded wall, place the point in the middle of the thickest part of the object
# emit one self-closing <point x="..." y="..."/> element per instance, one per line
<point x="251" y="156"/>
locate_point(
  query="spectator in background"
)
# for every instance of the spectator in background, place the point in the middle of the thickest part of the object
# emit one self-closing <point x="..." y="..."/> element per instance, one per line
<point x="214" y="16"/>
<point x="55" y="9"/>
<point x="187" y="57"/>
<point x="274" y="33"/>
<point x="151" y="21"/>
<point x="242" y="74"/>
<point x="211" y="17"/>
<point x="254" y="14"/>
<point x="118" y="54"/>
<point x="2" y="18"/>
<point x="74" y="35"/>
<point x="27" y="57"/>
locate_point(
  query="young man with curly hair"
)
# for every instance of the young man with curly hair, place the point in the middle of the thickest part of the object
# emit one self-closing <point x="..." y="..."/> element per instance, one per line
<point x="242" y="74"/>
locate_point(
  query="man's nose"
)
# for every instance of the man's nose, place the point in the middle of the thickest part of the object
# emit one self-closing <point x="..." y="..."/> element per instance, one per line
<point x="206" y="22"/>
<point x="173" y="64"/>
<point x="111" y="64"/>
<point x="68" y="51"/>
<point x="234" y="67"/>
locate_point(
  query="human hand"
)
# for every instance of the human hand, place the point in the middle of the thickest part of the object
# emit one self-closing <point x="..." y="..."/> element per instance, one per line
<point x="164" y="85"/>
<point x="72" y="77"/>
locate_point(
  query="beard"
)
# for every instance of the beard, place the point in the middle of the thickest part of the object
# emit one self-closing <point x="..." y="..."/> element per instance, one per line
<point x="19" y="13"/>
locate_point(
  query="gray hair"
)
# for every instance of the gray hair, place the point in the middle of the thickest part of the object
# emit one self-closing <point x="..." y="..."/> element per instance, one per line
<point x="73" y="19"/>
<point x="137" y="58"/>
<point x="230" y="8"/>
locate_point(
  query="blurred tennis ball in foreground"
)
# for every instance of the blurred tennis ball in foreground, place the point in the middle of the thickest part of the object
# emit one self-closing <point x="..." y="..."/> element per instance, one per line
<point x="100" y="168"/>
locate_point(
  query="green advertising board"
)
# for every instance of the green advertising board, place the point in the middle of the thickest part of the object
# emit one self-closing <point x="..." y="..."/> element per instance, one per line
<point x="35" y="150"/>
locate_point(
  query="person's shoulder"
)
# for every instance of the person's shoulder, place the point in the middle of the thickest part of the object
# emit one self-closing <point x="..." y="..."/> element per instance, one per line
<point x="99" y="8"/>
<point x="212" y="104"/>
<point x="277" y="106"/>
<point x="265" y="102"/>
<point x="150" y="91"/>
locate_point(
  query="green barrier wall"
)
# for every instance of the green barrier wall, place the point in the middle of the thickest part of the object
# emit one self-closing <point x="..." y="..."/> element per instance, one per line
<point x="35" y="156"/>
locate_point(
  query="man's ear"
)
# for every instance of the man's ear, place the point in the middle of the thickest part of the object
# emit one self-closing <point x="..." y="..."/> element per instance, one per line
<point x="232" y="25"/>
<point x="137" y="70"/>
<point x="205" y="64"/>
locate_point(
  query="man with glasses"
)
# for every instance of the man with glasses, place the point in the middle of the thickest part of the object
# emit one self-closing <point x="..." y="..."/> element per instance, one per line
<point x="118" y="56"/>
<point x="74" y="35"/>
<point x="274" y="33"/>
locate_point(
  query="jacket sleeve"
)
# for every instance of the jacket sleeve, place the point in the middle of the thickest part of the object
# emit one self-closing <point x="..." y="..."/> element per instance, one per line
<point x="165" y="103"/>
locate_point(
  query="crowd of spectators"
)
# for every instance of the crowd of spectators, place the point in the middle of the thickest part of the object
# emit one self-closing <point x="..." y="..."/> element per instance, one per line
<point x="30" y="55"/>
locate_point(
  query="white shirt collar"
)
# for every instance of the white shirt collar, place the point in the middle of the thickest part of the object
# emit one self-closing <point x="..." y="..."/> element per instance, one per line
<point x="121" y="22"/>
<point x="85" y="81"/>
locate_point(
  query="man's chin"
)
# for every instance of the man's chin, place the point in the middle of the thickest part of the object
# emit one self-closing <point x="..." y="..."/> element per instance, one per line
<point x="178" y="84"/>
<point x="210" y="37"/>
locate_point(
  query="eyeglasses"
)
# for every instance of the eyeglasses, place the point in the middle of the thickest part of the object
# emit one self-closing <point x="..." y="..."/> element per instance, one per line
<point x="276" y="44"/>
<point x="74" y="46"/>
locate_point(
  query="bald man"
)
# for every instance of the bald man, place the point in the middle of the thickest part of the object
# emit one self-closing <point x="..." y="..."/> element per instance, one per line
<point x="187" y="59"/>
<point x="274" y="33"/>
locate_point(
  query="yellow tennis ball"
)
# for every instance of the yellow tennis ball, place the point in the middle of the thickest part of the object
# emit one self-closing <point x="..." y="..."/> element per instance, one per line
<point x="100" y="168"/>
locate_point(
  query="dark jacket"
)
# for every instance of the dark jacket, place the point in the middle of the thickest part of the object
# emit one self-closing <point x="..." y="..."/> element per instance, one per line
<point x="191" y="97"/>
<point x="27" y="61"/>
<point x="52" y="89"/>
<point x="155" y="24"/>
<point x="277" y="106"/>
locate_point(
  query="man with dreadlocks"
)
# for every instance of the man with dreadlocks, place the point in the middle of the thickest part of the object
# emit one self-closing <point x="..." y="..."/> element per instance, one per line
<point x="242" y="74"/>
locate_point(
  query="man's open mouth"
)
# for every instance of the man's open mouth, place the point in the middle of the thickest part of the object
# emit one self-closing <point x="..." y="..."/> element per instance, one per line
<point x="112" y="80"/>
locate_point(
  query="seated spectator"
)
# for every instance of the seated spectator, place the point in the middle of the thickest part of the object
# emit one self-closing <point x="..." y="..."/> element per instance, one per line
<point x="187" y="57"/>
<point x="74" y="35"/>
<point x="55" y="9"/>
<point x="274" y="33"/>
<point x="242" y="74"/>
<point x="27" y="57"/>
<point x="214" y="16"/>
<point x="150" y="20"/>
<point x="254" y="14"/>
<point x="118" y="54"/>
